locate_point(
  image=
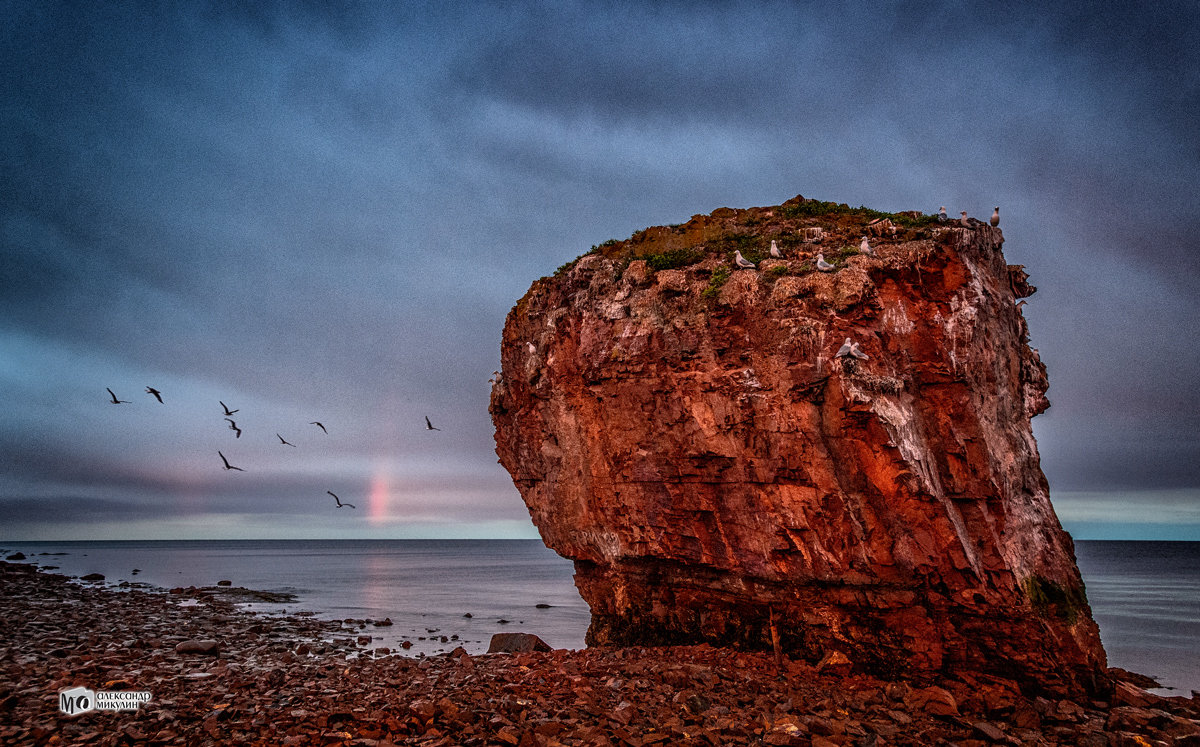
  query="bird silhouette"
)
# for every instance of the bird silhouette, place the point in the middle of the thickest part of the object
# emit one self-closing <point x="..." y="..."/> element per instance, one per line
<point x="157" y="394"/>
<point x="225" y="407"/>
<point x="822" y="265"/>
<point x="227" y="464"/>
<point x="116" y="401"/>
<point x="339" y="500"/>
<point x="233" y="427"/>
<point x="429" y="425"/>
<point x="319" y="426"/>
<point x="284" y="442"/>
<point x="995" y="219"/>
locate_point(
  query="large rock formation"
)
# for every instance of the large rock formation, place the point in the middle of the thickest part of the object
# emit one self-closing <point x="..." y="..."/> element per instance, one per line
<point x="683" y="431"/>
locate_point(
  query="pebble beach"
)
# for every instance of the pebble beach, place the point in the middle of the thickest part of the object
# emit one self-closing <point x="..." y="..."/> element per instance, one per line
<point x="219" y="674"/>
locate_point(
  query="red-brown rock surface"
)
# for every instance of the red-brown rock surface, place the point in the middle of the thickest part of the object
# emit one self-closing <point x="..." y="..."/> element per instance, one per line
<point x="686" y="435"/>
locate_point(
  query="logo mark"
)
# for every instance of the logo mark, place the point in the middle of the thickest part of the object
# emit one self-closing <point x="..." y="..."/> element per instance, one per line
<point x="80" y="700"/>
<point x="76" y="701"/>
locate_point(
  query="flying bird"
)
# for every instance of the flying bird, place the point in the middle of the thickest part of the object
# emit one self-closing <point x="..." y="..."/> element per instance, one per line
<point x="227" y="464"/>
<point x="157" y="394"/>
<point x="319" y="426"/>
<point x="339" y="500"/>
<point x="822" y="265"/>
<point x="995" y="221"/>
<point x="942" y="214"/>
<point x="116" y="401"/>
<point x="233" y="427"/>
<point x="775" y="250"/>
<point x="225" y="407"/>
<point x="429" y="425"/>
<point x="284" y="442"/>
<point x="865" y="246"/>
<point x="741" y="261"/>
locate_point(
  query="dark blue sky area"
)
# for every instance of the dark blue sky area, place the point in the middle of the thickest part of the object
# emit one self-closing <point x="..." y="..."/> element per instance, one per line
<point x="317" y="214"/>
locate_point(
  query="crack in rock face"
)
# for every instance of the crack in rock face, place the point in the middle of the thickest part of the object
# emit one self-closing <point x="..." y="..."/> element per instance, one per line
<point x="686" y="432"/>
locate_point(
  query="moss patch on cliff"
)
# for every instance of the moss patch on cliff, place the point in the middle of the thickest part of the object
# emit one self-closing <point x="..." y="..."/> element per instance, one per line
<point x="1049" y="598"/>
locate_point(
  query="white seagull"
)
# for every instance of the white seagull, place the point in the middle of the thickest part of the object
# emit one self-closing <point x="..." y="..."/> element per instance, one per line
<point x="942" y="214"/>
<point x="963" y="220"/>
<point x="741" y="261"/>
<point x="775" y="250"/>
<point x="822" y="265"/>
<point x="865" y="246"/>
<point x="850" y="349"/>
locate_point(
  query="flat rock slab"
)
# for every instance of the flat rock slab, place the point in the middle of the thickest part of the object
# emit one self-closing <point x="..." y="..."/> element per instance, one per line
<point x="516" y="643"/>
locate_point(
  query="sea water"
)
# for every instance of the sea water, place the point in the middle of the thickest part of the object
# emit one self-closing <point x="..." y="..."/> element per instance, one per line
<point x="1144" y="595"/>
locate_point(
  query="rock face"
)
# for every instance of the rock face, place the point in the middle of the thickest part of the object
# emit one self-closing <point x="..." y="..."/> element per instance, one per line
<point x="683" y="431"/>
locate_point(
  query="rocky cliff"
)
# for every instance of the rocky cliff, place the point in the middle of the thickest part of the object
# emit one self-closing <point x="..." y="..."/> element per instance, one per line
<point x="684" y="431"/>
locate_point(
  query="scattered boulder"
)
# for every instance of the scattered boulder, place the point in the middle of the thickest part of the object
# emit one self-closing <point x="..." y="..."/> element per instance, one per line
<point x="16" y="556"/>
<point x="195" y="646"/>
<point x="92" y="577"/>
<point x="516" y="643"/>
<point x="835" y="663"/>
<point x="224" y="582"/>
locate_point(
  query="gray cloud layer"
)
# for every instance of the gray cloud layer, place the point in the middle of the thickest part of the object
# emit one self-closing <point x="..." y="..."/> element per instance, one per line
<point x="326" y="214"/>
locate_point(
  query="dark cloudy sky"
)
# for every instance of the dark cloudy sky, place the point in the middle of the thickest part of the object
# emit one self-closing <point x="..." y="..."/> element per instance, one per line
<point x="317" y="214"/>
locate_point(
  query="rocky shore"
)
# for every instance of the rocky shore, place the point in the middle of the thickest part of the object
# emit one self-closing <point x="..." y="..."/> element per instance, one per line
<point x="221" y="675"/>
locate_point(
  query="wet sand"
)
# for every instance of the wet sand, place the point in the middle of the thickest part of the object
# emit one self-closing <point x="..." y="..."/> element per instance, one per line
<point x="298" y="680"/>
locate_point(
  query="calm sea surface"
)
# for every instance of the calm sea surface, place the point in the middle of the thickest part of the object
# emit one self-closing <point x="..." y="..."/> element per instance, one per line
<point x="1144" y="595"/>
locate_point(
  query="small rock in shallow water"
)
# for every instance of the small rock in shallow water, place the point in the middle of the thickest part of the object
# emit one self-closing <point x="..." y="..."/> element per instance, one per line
<point x="224" y="582"/>
<point x="516" y="643"/>
<point x="92" y="577"/>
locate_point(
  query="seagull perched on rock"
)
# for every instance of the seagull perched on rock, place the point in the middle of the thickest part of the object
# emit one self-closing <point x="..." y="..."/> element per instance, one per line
<point x="850" y="349"/>
<point x="942" y="214"/>
<point x="339" y="501"/>
<point x="225" y="407"/>
<point x="822" y="265"/>
<point x="233" y="427"/>
<point x="284" y="442"/>
<point x="995" y="221"/>
<point x="775" y="250"/>
<point x="429" y="425"/>
<point x="742" y="262"/>
<point x="157" y="394"/>
<point x="963" y="220"/>
<point x="116" y="401"/>
<point x="227" y="464"/>
<point x="319" y="426"/>
<point x="865" y="246"/>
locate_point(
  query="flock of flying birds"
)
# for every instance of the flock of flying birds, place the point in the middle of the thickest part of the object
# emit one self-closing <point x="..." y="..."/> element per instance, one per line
<point x="233" y="426"/>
